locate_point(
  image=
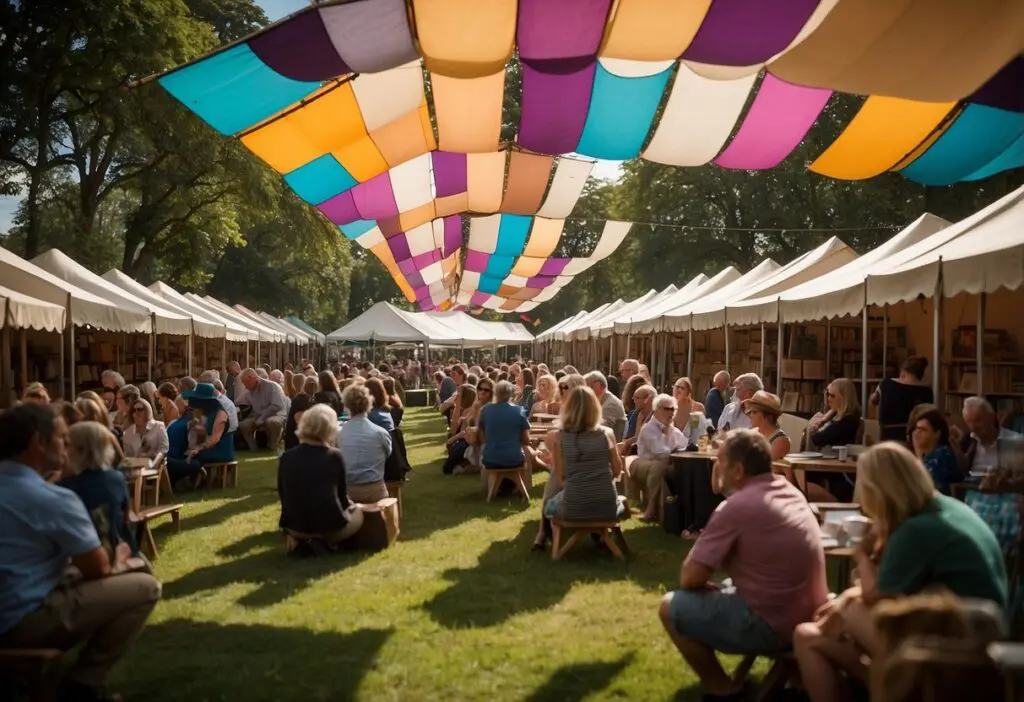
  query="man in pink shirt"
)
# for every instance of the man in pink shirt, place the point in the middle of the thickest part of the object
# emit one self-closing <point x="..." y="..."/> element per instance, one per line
<point x="766" y="538"/>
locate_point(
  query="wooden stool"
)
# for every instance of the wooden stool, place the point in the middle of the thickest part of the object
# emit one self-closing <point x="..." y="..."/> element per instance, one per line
<point x="29" y="665"/>
<point x="496" y="475"/>
<point x="784" y="667"/>
<point x="227" y="471"/>
<point x="605" y="530"/>
<point x="381" y="526"/>
<point x="395" y="490"/>
<point x="141" y="520"/>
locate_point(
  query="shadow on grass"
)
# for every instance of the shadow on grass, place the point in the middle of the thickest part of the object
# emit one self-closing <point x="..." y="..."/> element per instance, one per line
<point x="510" y="579"/>
<point x="232" y="506"/>
<point x="574" y="682"/>
<point x="248" y="662"/>
<point x="278" y="577"/>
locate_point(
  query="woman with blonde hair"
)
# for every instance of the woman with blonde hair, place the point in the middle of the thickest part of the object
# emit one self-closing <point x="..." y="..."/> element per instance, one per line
<point x="365" y="446"/>
<point x="585" y="464"/>
<point x="839" y="424"/>
<point x="36" y="392"/>
<point x="918" y="540"/>
<point x="145" y="436"/>
<point x="103" y="491"/>
<point x="645" y="373"/>
<point x="547" y="391"/>
<point x="458" y="443"/>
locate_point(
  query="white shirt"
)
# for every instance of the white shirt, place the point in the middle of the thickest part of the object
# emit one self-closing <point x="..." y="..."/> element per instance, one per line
<point x="985" y="459"/>
<point x="149" y="443"/>
<point x="653" y="440"/>
<point x="734" y="416"/>
<point x="693" y="433"/>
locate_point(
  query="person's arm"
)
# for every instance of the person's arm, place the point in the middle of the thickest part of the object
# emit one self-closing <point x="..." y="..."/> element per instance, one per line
<point x="711" y="550"/>
<point x="780" y="448"/>
<point x="613" y="455"/>
<point x="832" y="434"/>
<point x="553" y="441"/>
<point x="220" y="423"/>
<point x="903" y="565"/>
<point x="93" y="565"/>
<point x="72" y="529"/>
<point x="276" y="406"/>
<point x="644" y="445"/>
<point x="694" y="575"/>
<point x="160" y="441"/>
<point x="386" y="439"/>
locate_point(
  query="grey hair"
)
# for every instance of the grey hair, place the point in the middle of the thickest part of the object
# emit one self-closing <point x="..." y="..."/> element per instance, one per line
<point x="357" y="399"/>
<point x="208" y="376"/>
<point x="659" y="399"/>
<point x="751" y="381"/>
<point x="262" y="373"/>
<point x="248" y="373"/>
<point x="749" y="448"/>
<point x="649" y="391"/>
<point x="728" y="378"/>
<point x="217" y="385"/>
<point x="113" y="375"/>
<point x="979" y="403"/>
<point x="318" y="424"/>
<point x="503" y="391"/>
<point x="596" y="378"/>
<point x="93" y="444"/>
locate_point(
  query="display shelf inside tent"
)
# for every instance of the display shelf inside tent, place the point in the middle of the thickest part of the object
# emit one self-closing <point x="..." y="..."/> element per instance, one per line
<point x="172" y="357"/>
<point x="1002" y="370"/>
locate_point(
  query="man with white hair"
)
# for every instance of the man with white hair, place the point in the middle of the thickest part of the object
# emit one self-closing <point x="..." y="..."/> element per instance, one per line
<point x="657" y="440"/>
<point x="613" y="414"/>
<point x="714" y="403"/>
<point x="628" y="368"/>
<point x="733" y="416"/>
<point x="981" y="447"/>
<point x="269" y="410"/>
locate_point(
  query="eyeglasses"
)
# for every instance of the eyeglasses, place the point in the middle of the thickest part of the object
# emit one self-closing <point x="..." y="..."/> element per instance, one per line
<point x="136" y="410"/>
<point x="563" y="387"/>
<point x="667" y="407"/>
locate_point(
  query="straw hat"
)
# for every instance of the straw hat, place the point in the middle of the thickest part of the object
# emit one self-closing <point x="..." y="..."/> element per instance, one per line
<point x="764" y="401"/>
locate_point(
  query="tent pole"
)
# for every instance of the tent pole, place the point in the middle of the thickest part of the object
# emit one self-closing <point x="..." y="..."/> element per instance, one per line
<point x="885" y="341"/>
<point x="865" y="347"/>
<point x="62" y="371"/>
<point x="689" y="352"/>
<point x="980" y="348"/>
<point x="629" y="337"/>
<point x="725" y="330"/>
<point x="778" y="355"/>
<point x="938" y="303"/>
<point x="224" y="354"/>
<point x="151" y="347"/>
<point x="23" y="352"/>
<point x="760" y="368"/>
<point x="71" y="349"/>
<point x="665" y="371"/>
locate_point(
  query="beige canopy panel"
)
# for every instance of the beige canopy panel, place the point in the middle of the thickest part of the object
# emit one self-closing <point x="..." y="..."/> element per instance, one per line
<point x="201" y="325"/>
<point x="61" y="265"/>
<point x="650" y="320"/>
<point x="265" y="334"/>
<point x="822" y="261"/>
<point x="86" y="309"/>
<point x="836" y="294"/>
<point x="678" y="319"/>
<point x="593" y="325"/>
<point x="303" y="336"/>
<point x="287" y="335"/>
<point x="233" y="330"/>
<point x="548" y="334"/>
<point x="981" y="253"/>
<point x="580" y="329"/>
<point x="19" y="311"/>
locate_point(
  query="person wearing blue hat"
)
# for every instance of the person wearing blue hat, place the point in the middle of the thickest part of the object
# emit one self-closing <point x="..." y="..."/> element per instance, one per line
<point x="217" y="446"/>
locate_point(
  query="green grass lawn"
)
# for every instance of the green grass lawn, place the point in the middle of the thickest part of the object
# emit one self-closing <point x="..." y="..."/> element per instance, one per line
<point x="458" y="609"/>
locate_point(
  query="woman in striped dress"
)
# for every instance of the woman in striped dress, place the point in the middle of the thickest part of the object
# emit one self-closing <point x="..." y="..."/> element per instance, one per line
<point x="585" y="465"/>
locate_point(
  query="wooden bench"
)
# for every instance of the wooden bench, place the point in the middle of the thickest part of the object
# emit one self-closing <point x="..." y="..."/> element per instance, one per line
<point x="496" y="475"/>
<point x="141" y="520"/>
<point x="395" y="490"/>
<point x="604" y="530"/>
<point x="226" y="472"/>
<point x="784" y="667"/>
<point x="29" y="666"/>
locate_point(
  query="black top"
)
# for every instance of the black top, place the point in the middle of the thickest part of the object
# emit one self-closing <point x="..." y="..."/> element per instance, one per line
<point x="329" y="397"/>
<point x="311" y="483"/>
<point x="838" y="432"/>
<point x="105" y="496"/>
<point x="396" y="414"/>
<point x="896" y="403"/>
<point x="300" y="403"/>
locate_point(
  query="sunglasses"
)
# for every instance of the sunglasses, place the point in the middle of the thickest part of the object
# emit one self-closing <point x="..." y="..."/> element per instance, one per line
<point x="670" y="409"/>
<point x="136" y="410"/>
<point x="563" y="387"/>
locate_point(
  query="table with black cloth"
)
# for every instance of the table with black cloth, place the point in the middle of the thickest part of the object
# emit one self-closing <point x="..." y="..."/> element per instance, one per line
<point x="689" y="499"/>
<point x="420" y="398"/>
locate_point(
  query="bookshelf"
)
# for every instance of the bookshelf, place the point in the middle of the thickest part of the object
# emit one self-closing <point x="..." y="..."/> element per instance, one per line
<point x="1002" y="374"/>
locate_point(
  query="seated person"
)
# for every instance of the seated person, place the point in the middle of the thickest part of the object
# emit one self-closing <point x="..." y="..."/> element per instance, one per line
<point x="768" y="541"/>
<point x="897" y="397"/>
<point x="302" y="400"/>
<point x="44" y="528"/>
<point x="394" y="401"/>
<point x="658" y="439"/>
<point x="613" y="415"/>
<point x="89" y="474"/>
<point x="733" y="416"/>
<point x="839" y="425"/>
<point x="585" y="462"/>
<point x="145" y="436"/>
<point x="929" y="439"/>
<point x="365" y="447"/>
<point x="269" y="409"/>
<point x="638" y="410"/>
<point x="763" y="410"/>
<point x="714" y="401"/>
<point x="525" y="390"/>
<point x="311" y="482"/>
<point x="458" y="443"/>
<point x="546" y="396"/>
<point x="503" y="430"/>
<point x="919" y="540"/>
<point x="209" y="439"/>
<point x="380" y="414"/>
<point x="36" y="392"/>
<point x="682" y="391"/>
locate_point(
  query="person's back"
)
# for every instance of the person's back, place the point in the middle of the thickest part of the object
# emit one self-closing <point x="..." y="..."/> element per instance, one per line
<point x="769" y="542"/>
<point x="945" y="544"/>
<point x="714" y="403"/>
<point x="105" y="496"/>
<point x="589" y="491"/>
<point x="503" y="424"/>
<point x="311" y="483"/>
<point x="897" y="401"/>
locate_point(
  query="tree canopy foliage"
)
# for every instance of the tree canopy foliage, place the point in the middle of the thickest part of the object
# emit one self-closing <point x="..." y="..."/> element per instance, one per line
<point x="127" y="178"/>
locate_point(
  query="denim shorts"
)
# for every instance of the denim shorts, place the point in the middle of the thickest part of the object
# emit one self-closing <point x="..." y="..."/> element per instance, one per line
<point x="722" y="621"/>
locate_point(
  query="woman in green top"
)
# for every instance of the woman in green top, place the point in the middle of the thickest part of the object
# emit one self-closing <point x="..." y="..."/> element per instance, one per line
<point x="920" y="540"/>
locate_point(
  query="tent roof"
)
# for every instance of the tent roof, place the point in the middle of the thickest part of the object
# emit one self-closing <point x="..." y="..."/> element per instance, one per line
<point x="234" y="331"/>
<point x="980" y="253"/>
<point x="837" y="294"/>
<point x="29" y="279"/>
<point x="820" y="261"/>
<point x="24" y="312"/>
<point x="292" y="335"/>
<point x="385" y="322"/>
<point x="558" y="327"/>
<point x="489" y="332"/>
<point x="604" y="326"/>
<point x="308" y="328"/>
<point x="570" y="331"/>
<point x="650" y="319"/>
<point x="64" y="267"/>
<point x="202" y="326"/>
<point x="265" y="332"/>
<point x="283" y="322"/>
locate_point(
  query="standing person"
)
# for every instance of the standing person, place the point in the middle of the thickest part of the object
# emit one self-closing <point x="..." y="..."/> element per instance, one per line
<point x="766" y="538"/>
<point x="365" y="447"/>
<point x="897" y="397"/>
<point x="613" y="415"/>
<point x="269" y="410"/>
<point x="38" y="608"/>
<point x="231" y="381"/>
<point x="714" y="402"/>
<point x="394" y="401"/>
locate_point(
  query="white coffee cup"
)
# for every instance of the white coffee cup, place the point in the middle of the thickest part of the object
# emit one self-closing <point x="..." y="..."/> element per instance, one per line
<point x="842" y="452"/>
<point x="856" y="527"/>
<point x="832" y="529"/>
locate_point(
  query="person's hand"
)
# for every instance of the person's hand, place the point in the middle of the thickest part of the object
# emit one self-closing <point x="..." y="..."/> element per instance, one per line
<point x="260" y="422"/>
<point x="122" y="553"/>
<point x="956" y="433"/>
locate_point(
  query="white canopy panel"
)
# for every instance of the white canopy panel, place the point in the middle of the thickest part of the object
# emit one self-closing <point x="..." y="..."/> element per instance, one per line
<point x="981" y="253"/>
<point x="484" y="331"/>
<point x="304" y="336"/>
<point x="86" y="308"/>
<point x="678" y="319"/>
<point x="19" y="311"/>
<point x="650" y="319"/>
<point x="265" y="332"/>
<point x="385" y="322"/>
<point x="548" y="334"/>
<point x="233" y="330"/>
<point x="607" y="318"/>
<point x="202" y="326"/>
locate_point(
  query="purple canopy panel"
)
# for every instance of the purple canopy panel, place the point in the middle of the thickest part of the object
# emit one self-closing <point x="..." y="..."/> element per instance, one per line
<point x="452" y="235"/>
<point x="539" y="281"/>
<point x="406" y="265"/>
<point x="776" y="123"/>
<point x="415" y="279"/>
<point x="375" y="199"/>
<point x="390" y="226"/>
<point x="399" y="246"/>
<point x="340" y="209"/>
<point x="554" y="108"/>
<point x="300" y="49"/>
<point x="422" y="293"/>
<point x="479" y="298"/>
<point x="476" y="261"/>
<point x="554" y="266"/>
<point x="371" y="35"/>
<point x="1005" y="89"/>
<point x="425" y="259"/>
<point x="555" y="31"/>
<point x="748" y="32"/>
<point x="449" y="173"/>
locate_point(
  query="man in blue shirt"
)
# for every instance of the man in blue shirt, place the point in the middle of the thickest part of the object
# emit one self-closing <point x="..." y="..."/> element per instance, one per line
<point x="714" y="403"/>
<point x="43" y="527"/>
